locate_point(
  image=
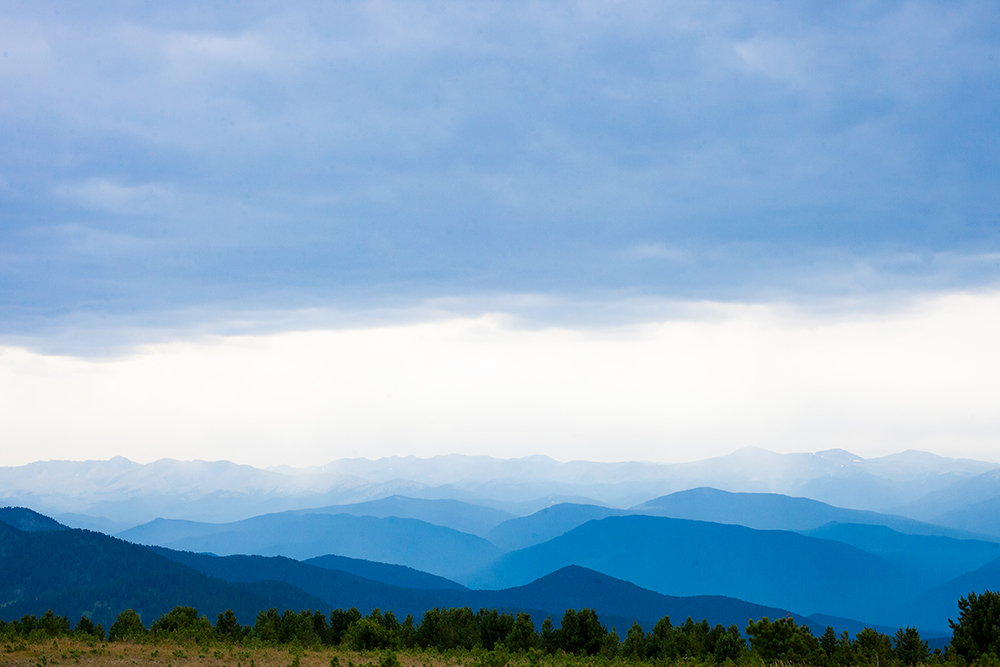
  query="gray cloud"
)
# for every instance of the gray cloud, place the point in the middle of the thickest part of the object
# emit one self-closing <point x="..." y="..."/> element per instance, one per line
<point x="166" y="160"/>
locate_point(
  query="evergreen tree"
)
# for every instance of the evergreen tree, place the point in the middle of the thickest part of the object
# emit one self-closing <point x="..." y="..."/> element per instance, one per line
<point x="634" y="646"/>
<point x="52" y="625"/>
<point x="522" y="636"/>
<point x="977" y="631"/>
<point x="784" y="640"/>
<point x="369" y="634"/>
<point x="86" y="627"/>
<point x="845" y="650"/>
<point x="729" y="646"/>
<point x="547" y="638"/>
<point x="228" y="628"/>
<point x="493" y="627"/>
<point x="581" y="632"/>
<point x="127" y="627"/>
<point x="909" y="649"/>
<point x="183" y="622"/>
<point x="267" y="627"/>
<point x="828" y="642"/>
<point x="611" y="644"/>
<point x="407" y="633"/>
<point x="340" y="621"/>
<point x="658" y="641"/>
<point x="871" y="647"/>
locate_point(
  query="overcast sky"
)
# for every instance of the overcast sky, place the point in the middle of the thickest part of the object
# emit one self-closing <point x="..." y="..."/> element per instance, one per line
<point x="288" y="232"/>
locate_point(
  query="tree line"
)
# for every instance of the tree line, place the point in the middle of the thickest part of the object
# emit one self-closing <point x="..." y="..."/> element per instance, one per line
<point x="975" y="636"/>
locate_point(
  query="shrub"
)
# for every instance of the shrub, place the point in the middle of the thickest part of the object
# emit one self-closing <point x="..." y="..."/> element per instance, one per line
<point x="127" y="627"/>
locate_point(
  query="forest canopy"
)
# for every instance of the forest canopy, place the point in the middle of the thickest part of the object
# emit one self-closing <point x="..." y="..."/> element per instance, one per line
<point x="975" y="641"/>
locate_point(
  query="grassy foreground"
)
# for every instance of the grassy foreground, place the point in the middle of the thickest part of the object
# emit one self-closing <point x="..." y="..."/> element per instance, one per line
<point x="73" y="652"/>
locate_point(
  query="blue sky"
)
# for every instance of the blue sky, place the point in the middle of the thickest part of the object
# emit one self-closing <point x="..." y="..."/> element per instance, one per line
<point x="170" y="171"/>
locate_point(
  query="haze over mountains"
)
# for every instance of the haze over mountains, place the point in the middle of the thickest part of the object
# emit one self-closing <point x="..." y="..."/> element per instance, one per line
<point x="117" y="494"/>
<point x="301" y="536"/>
<point x="484" y="542"/>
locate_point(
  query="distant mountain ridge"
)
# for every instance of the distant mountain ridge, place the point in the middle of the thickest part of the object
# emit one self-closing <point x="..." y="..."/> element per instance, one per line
<point x="301" y="536"/>
<point x="982" y="517"/>
<point x="771" y="511"/>
<point x="851" y="569"/>
<point x="461" y="516"/>
<point x="682" y="557"/>
<point x="119" y="491"/>
<point x="945" y="596"/>
<point x="927" y="560"/>
<point x="396" y="575"/>
<point x="973" y="490"/>
<point x="546" y="524"/>
<point x="761" y="511"/>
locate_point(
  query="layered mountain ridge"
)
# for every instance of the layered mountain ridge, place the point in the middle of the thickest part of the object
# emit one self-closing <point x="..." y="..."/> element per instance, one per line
<point x="483" y="537"/>
<point x="124" y="493"/>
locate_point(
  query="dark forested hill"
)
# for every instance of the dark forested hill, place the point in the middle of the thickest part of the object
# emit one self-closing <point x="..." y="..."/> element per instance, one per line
<point x="337" y="589"/>
<point x="578" y="587"/>
<point x="76" y="572"/>
<point x="28" y="520"/>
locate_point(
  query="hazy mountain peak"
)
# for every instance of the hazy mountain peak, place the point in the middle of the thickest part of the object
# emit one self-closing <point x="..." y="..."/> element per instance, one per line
<point x="914" y="462"/>
<point x="840" y="456"/>
<point x="132" y="493"/>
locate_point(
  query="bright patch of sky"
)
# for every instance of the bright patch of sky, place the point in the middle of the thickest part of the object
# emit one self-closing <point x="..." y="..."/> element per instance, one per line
<point x="566" y="190"/>
<point x="727" y="376"/>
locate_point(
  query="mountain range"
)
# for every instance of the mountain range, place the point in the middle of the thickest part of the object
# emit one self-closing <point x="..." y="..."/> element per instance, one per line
<point x="682" y="557"/>
<point x="411" y="542"/>
<point x="117" y="494"/>
<point x="472" y="531"/>
<point x="80" y="572"/>
<point x="797" y="554"/>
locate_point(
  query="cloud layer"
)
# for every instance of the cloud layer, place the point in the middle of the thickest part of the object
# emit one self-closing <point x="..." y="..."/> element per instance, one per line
<point x="164" y="160"/>
<point x="379" y="226"/>
<point x="922" y="377"/>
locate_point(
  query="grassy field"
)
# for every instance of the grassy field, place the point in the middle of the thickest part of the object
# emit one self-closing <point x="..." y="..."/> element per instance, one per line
<point x="71" y="653"/>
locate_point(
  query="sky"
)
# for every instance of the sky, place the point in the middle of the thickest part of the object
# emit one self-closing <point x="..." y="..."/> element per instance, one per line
<point x="290" y="232"/>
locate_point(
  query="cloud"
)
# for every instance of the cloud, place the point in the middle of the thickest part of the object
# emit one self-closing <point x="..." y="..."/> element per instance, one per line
<point x="773" y="59"/>
<point x="721" y="377"/>
<point x="107" y="195"/>
<point x="660" y="251"/>
<point x="196" y="50"/>
<point x="383" y="154"/>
